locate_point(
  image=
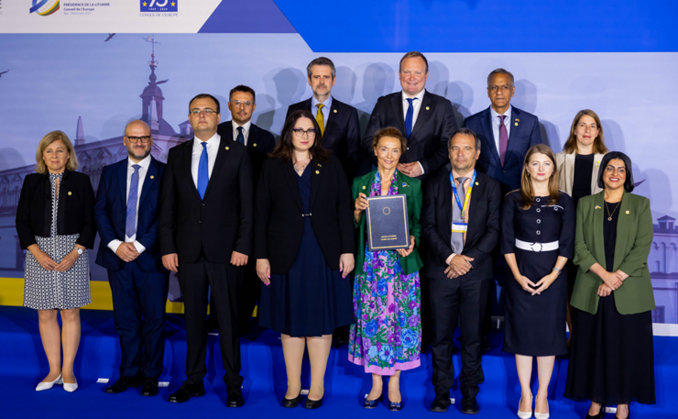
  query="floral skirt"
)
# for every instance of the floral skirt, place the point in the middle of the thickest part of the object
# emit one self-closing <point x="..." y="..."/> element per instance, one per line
<point x="387" y="334"/>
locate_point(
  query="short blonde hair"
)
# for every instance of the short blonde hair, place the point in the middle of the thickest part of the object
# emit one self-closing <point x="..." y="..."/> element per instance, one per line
<point x="71" y="164"/>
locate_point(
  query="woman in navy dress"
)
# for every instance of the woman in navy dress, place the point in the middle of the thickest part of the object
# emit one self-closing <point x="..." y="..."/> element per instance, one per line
<point x="304" y="244"/>
<point x="538" y="238"/>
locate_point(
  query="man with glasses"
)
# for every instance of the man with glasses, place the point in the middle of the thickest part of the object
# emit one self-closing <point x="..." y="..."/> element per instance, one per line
<point x="259" y="142"/>
<point x="206" y="237"/>
<point x="127" y="218"/>
<point x="338" y="121"/>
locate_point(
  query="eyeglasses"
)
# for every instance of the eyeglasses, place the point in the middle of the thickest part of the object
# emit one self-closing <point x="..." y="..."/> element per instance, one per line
<point x="301" y="133"/>
<point x="207" y="112"/>
<point x="144" y="140"/>
<point x="237" y="103"/>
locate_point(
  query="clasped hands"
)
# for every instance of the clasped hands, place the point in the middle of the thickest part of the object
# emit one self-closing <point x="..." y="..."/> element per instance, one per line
<point x="539" y="287"/>
<point x="459" y="266"/>
<point x="49" y="264"/>
<point x="611" y="282"/>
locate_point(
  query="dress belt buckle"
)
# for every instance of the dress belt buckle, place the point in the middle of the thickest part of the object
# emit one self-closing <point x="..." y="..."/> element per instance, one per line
<point x="541" y="247"/>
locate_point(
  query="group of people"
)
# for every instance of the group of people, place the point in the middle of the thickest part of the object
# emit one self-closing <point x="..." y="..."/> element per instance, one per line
<point x="231" y="208"/>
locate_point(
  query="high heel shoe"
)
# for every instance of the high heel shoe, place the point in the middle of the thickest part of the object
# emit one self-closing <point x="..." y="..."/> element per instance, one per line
<point x="46" y="385"/>
<point x="289" y="403"/>
<point x="599" y="415"/>
<point x="524" y="415"/>
<point x="313" y="404"/>
<point x="546" y="415"/>
<point x="71" y="387"/>
<point x="371" y="404"/>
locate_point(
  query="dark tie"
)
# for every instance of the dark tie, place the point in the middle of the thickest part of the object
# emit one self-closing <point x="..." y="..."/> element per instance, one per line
<point x="240" y="138"/>
<point x="458" y="238"/>
<point x="503" y="139"/>
<point x="203" y="171"/>
<point x="409" y="117"/>
<point x="130" y="222"/>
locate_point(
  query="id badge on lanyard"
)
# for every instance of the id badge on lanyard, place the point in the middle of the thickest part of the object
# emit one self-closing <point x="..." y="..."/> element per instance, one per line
<point x="460" y="226"/>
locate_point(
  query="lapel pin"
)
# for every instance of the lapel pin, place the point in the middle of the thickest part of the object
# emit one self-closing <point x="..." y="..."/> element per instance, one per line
<point x="516" y="124"/>
<point x="405" y="185"/>
<point x="152" y="176"/>
<point x="517" y="119"/>
<point x="427" y="108"/>
<point x="70" y="193"/>
<point x="597" y="207"/>
<point x="317" y="172"/>
<point x="254" y="145"/>
<point x="320" y="165"/>
<point x="335" y="111"/>
<point x="364" y="187"/>
<point x="628" y="212"/>
<point x="226" y="148"/>
<point x="477" y="183"/>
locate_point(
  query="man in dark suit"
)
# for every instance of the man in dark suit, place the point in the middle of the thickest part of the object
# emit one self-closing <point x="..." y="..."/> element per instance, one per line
<point x="426" y="119"/>
<point x="206" y="237"/>
<point x="126" y="216"/>
<point x="505" y="132"/>
<point x="459" y="266"/>
<point x="259" y="142"/>
<point x="338" y="121"/>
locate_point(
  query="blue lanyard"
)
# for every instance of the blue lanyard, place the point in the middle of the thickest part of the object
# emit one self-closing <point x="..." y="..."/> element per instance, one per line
<point x="468" y="192"/>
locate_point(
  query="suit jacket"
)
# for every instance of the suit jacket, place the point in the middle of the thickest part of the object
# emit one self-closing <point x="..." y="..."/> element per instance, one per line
<point x="411" y="187"/>
<point x="76" y="209"/>
<point x="259" y="143"/>
<point x="565" y="163"/>
<point x="524" y="134"/>
<point x="216" y="225"/>
<point x="110" y="213"/>
<point x="342" y="133"/>
<point x="483" y="225"/>
<point x="632" y="247"/>
<point x="279" y="223"/>
<point x="428" y="142"/>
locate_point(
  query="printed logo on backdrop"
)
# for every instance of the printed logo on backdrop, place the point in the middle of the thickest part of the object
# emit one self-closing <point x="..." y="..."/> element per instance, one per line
<point x="44" y="7"/>
<point x="84" y="8"/>
<point x="159" y="5"/>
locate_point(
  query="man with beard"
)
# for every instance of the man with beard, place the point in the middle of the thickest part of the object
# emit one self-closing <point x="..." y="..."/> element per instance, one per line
<point x="126" y="213"/>
<point x="459" y="265"/>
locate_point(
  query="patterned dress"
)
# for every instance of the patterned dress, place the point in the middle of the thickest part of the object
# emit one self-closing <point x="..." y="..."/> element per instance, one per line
<point x="46" y="290"/>
<point x="387" y="334"/>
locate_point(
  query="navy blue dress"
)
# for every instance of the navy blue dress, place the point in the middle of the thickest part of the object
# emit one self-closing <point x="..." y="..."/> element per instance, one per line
<point x="535" y="324"/>
<point x="311" y="299"/>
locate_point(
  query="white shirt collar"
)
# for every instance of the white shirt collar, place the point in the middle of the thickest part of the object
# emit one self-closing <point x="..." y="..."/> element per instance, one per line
<point x="245" y="126"/>
<point x="419" y="96"/>
<point x="495" y="114"/>
<point x="144" y="163"/>
<point x="214" y="140"/>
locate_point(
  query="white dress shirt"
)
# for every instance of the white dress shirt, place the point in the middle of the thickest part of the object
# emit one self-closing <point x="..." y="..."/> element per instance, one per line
<point x="416" y="107"/>
<point x="496" y="123"/>
<point x="143" y="170"/>
<point x="245" y="131"/>
<point x="212" y="149"/>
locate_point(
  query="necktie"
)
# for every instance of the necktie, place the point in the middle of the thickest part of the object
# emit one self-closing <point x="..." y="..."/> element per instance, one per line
<point x="320" y="118"/>
<point x="203" y="171"/>
<point x="130" y="222"/>
<point x="503" y="139"/>
<point x="458" y="238"/>
<point x="240" y="138"/>
<point x="409" y="117"/>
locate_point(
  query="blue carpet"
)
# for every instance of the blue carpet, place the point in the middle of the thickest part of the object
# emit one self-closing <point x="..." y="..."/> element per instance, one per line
<point x="23" y="364"/>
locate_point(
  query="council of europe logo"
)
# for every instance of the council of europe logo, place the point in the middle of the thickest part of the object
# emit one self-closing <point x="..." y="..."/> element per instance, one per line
<point x="45" y="7"/>
<point x="159" y="5"/>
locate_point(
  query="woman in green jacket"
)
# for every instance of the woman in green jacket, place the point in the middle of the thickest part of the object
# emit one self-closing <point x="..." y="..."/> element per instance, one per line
<point x="611" y="358"/>
<point x="386" y="338"/>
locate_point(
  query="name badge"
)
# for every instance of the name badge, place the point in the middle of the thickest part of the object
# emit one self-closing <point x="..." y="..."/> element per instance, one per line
<point x="459" y="227"/>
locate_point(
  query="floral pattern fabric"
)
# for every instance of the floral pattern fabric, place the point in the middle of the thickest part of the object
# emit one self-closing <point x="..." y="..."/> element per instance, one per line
<point x="387" y="334"/>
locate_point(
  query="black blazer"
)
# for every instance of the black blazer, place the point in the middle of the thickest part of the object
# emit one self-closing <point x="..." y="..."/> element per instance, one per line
<point x="342" y="133"/>
<point x="216" y="225"/>
<point x="278" y="213"/>
<point x="76" y="209"/>
<point x="428" y="142"/>
<point x="483" y="225"/>
<point x="259" y="143"/>
<point x="110" y="213"/>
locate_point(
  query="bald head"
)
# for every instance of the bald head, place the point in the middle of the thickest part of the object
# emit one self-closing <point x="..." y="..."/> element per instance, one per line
<point x="138" y="140"/>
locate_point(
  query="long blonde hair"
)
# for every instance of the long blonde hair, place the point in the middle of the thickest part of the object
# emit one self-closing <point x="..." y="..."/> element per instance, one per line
<point x="526" y="185"/>
<point x="71" y="164"/>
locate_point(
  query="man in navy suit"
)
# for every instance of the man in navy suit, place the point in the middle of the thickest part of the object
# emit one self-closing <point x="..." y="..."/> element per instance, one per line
<point x="127" y="218"/>
<point x="426" y="119"/>
<point x="337" y="121"/>
<point x="259" y="142"/>
<point x="505" y="132"/>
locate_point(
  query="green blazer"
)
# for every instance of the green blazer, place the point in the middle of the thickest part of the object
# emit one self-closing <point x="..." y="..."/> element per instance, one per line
<point x="634" y="239"/>
<point x="412" y="263"/>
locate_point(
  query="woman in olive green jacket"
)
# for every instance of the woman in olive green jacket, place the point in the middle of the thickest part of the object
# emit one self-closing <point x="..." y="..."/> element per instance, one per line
<point x="611" y="358"/>
<point x="386" y="338"/>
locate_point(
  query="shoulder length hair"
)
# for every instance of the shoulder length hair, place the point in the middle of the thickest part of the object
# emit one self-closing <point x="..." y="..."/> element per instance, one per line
<point x="285" y="149"/>
<point x="628" y="183"/>
<point x="71" y="164"/>
<point x="526" y="189"/>
<point x="598" y="142"/>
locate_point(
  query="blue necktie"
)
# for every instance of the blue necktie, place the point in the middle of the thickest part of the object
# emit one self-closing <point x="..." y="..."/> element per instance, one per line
<point x="240" y="138"/>
<point x="130" y="224"/>
<point x="409" y="117"/>
<point x="203" y="171"/>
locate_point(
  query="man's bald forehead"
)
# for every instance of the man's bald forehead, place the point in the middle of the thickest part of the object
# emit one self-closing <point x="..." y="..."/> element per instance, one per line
<point x="139" y="123"/>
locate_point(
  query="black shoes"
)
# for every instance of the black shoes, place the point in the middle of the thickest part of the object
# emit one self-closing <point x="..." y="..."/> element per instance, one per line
<point x="150" y="387"/>
<point x="440" y="403"/>
<point x="234" y="398"/>
<point x="395" y="406"/>
<point x="313" y="404"/>
<point x="186" y="391"/>
<point x="371" y="404"/>
<point x="289" y="403"/>
<point x="600" y="414"/>
<point x="469" y="406"/>
<point x="123" y="384"/>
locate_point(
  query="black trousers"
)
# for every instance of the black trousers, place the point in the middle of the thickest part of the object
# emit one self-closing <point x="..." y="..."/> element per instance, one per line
<point x="249" y="295"/>
<point x="225" y="281"/>
<point x="139" y="300"/>
<point x="457" y="301"/>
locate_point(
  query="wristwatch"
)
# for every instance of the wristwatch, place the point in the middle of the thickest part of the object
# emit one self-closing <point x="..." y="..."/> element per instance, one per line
<point x="557" y="270"/>
<point x="79" y="250"/>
